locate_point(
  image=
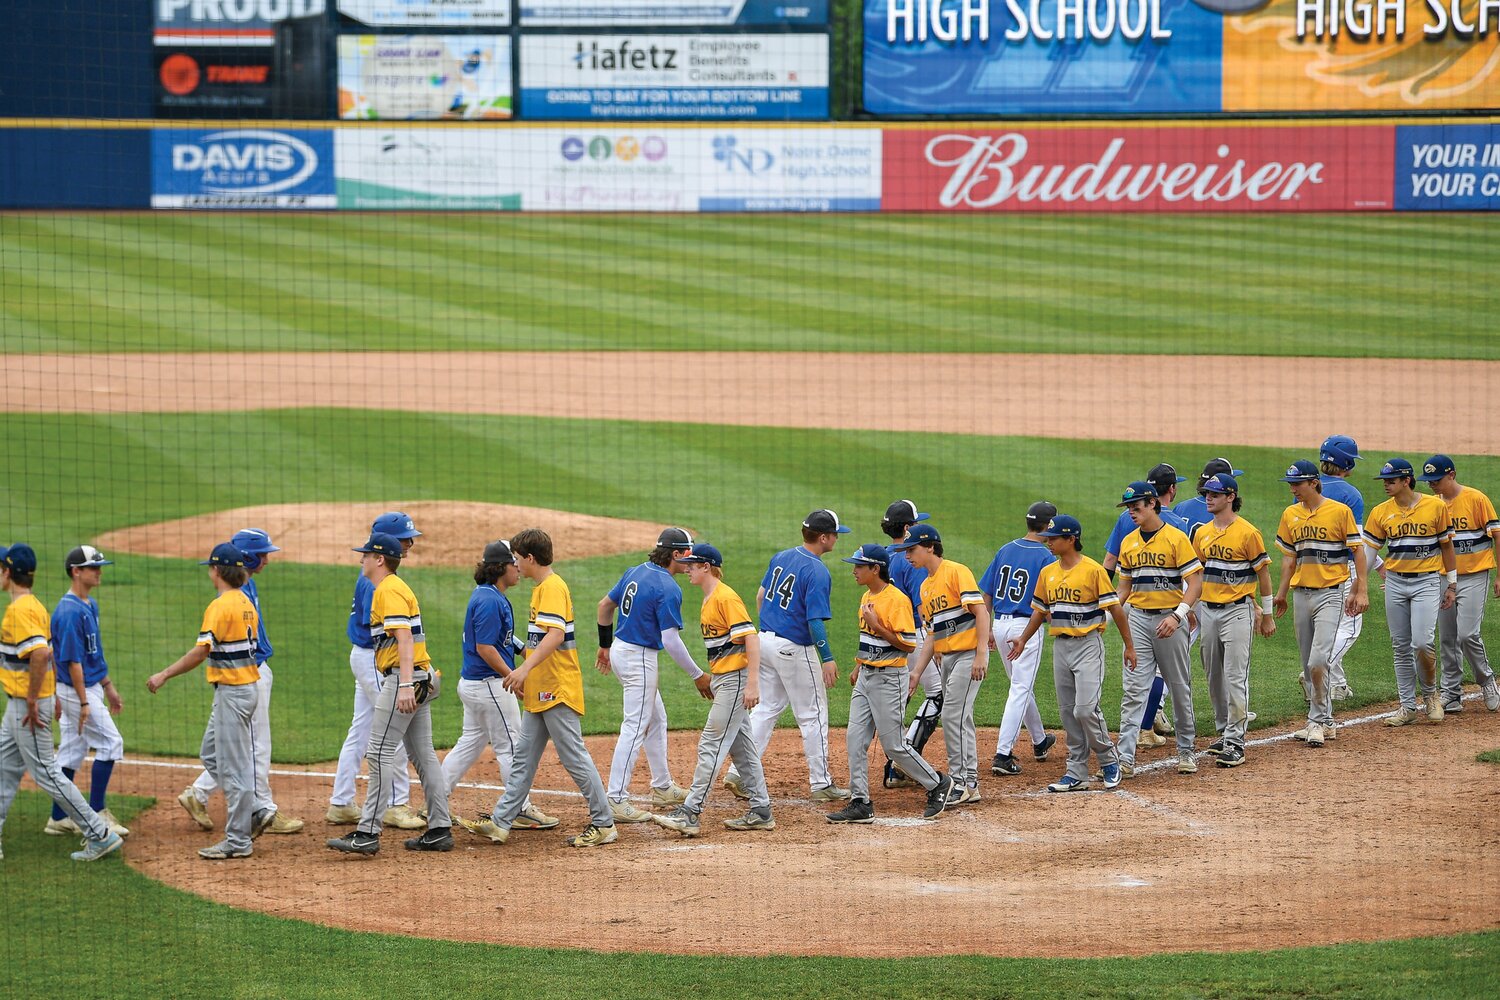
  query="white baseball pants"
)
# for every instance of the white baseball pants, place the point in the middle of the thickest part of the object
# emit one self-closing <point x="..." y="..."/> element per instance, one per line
<point x="1020" y="703"/>
<point x="643" y="723"/>
<point x="492" y="718"/>
<point x="100" y="732"/>
<point x="793" y="675"/>
<point x="367" y="681"/>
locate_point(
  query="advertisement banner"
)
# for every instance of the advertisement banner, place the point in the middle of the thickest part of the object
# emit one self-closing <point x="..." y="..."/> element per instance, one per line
<point x="1010" y="57"/>
<point x="600" y="77"/>
<point x="227" y="22"/>
<point x="427" y="169"/>
<point x="608" y="170"/>
<point x="1448" y="167"/>
<point x="214" y="81"/>
<point x="424" y="76"/>
<point x="789" y="170"/>
<point x="1153" y="169"/>
<point x="242" y="168"/>
<point x="633" y="13"/>
<point x="428" y="13"/>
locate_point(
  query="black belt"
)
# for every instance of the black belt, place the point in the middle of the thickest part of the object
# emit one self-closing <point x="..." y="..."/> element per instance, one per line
<point x="1410" y="576"/>
<point x="1227" y="604"/>
<point x="1330" y="586"/>
<point x="1153" y="611"/>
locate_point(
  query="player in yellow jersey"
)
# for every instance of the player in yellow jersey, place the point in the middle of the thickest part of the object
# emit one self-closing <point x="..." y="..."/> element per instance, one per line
<point x="1417" y="534"/>
<point x="1160" y="580"/>
<point x="227" y="641"/>
<point x="1319" y="541"/>
<point x="887" y="633"/>
<point x="1234" y="565"/>
<point x="403" y="711"/>
<point x="551" y="686"/>
<point x="1476" y="542"/>
<point x="1073" y="594"/>
<point x="958" y="629"/>
<point x="733" y="647"/>
<point x="26" y="729"/>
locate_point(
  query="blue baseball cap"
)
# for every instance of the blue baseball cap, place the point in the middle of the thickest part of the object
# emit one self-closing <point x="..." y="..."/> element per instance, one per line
<point x="1339" y="450"/>
<point x="1062" y="526"/>
<point x="920" y="534"/>
<point x="1300" y="471"/>
<point x="224" y="554"/>
<point x="19" y="558"/>
<point x="1221" y="482"/>
<point x="704" y="553"/>
<point x="1138" y="490"/>
<point x="383" y="544"/>
<point x="824" y="522"/>
<point x="1395" y="469"/>
<point x="395" y="524"/>
<point x="870" y="554"/>
<point x="1436" y="468"/>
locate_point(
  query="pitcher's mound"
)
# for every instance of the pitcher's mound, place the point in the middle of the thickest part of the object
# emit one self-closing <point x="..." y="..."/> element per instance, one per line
<point x="454" y="532"/>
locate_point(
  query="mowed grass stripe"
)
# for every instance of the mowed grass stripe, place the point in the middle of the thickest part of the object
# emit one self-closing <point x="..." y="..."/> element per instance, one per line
<point x="1327" y="285"/>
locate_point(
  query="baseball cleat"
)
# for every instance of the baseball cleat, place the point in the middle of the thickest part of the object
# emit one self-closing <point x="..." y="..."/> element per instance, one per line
<point x="1149" y="739"/>
<point x="665" y="798"/>
<point x="1454" y="707"/>
<point x="736" y="785"/>
<point x="680" y="820"/>
<point x="1068" y="783"/>
<point x="896" y="778"/>
<point x="341" y="815"/>
<point x="1127" y="770"/>
<point x="1040" y="750"/>
<point x="1215" y="748"/>
<point x="1112" y="776"/>
<point x="119" y="829"/>
<point x="752" y="820"/>
<point x="857" y="811"/>
<point x="830" y="793"/>
<point x="1341" y="692"/>
<point x="486" y="828"/>
<point x="93" y="850"/>
<point x="595" y="836"/>
<point x="284" y="824"/>
<point x="402" y="818"/>
<point x="1491" y="691"/>
<point x="937" y="798"/>
<point x="625" y="812"/>
<point x="1314" y="735"/>
<point x="438" y="838"/>
<point x="1003" y="764"/>
<point x="1404" y="717"/>
<point x="1434" y="707"/>
<point x="64" y="827"/>
<point x="1186" y="764"/>
<point x="969" y="794"/>
<point x="196" y="809"/>
<point x="1232" y="756"/>
<point x="1161" y="726"/>
<point x="223" y="852"/>
<point x="357" y="842"/>
<point x="532" y="818"/>
<point x="261" y="822"/>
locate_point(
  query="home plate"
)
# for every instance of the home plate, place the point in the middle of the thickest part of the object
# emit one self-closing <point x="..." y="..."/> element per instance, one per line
<point x="1127" y="882"/>
<point x="902" y="821"/>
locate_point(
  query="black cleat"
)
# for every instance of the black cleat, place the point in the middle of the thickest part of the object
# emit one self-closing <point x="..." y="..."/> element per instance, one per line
<point x="857" y="811"/>
<point x="939" y="797"/>
<point x="1040" y="750"/>
<point x="438" y="838"/>
<point x="1231" y="756"/>
<point x="357" y="843"/>
<point x="1005" y="763"/>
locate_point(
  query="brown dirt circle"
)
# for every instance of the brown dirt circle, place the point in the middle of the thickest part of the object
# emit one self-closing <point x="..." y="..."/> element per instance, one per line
<point x="1381" y="834"/>
<point x="454" y="532"/>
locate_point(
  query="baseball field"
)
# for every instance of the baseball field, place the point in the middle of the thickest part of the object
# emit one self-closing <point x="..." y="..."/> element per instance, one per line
<point x="169" y="377"/>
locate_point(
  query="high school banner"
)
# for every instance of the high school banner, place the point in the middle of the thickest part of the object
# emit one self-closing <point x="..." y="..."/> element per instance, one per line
<point x="1009" y="57"/>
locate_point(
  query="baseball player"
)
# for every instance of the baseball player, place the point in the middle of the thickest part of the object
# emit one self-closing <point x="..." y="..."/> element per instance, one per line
<point x="26" y="728"/>
<point x="734" y="662"/>
<point x="887" y="634"/>
<point x="899" y="517"/>
<point x="226" y="640"/>
<point x="551" y="685"/>
<point x="256" y="546"/>
<point x="367" y="681"/>
<point x="492" y="716"/>
<point x="403" y="713"/>
<point x="1072" y="595"/>
<point x="649" y="603"/>
<point x="1009" y="585"/>
<point x="1476" y="540"/>
<point x="953" y="608"/>
<point x="1337" y="457"/>
<point x="1160" y="580"/>
<point x="1194" y="510"/>
<point x="86" y="698"/>
<point x="1319" y="542"/>
<point x="1234" y="560"/>
<point x="793" y="602"/>
<point x="1417" y="533"/>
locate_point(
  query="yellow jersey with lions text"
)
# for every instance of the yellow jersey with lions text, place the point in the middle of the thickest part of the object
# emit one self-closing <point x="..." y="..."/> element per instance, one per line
<point x="1322" y="542"/>
<point x="557" y="679"/>
<point x="947" y="595"/>
<point x="1232" y="558"/>
<point x="1474" y="526"/>
<point x="25" y="628"/>
<point x="1412" y="536"/>
<point x="1074" y="599"/>
<point x="1158" y="567"/>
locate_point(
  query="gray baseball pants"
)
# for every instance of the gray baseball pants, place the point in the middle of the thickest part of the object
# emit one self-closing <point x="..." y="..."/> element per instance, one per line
<point x="1411" y="612"/>
<point x="228" y="754"/>
<point x="1459" y="632"/>
<point x="1170" y="656"/>
<point x="877" y="707"/>
<point x="726" y="734"/>
<point x="1349" y="628"/>
<point x="390" y="729"/>
<point x="563" y="727"/>
<point x="1078" y="673"/>
<point x="24" y="750"/>
<point x="1225" y="635"/>
<point x="1316" y="613"/>
<point x="960" y="691"/>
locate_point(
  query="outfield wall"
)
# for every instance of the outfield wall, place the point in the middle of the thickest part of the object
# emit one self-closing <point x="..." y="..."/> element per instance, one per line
<point x="1135" y="166"/>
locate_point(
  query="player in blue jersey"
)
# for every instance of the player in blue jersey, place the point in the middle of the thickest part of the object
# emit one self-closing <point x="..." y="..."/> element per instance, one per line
<point x="1009" y="585"/>
<point x="1336" y="463"/>
<point x="367" y="681"/>
<point x="899" y="517"/>
<point x="796" y="662"/>
<point x="1194" y="510"/>
<point x="649" y="603"/>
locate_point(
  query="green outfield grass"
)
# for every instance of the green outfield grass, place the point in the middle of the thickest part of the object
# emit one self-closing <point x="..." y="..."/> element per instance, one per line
<point x="141" y="939"/>
<point x="1326" y="285"/>
<point x="746" y="489"/>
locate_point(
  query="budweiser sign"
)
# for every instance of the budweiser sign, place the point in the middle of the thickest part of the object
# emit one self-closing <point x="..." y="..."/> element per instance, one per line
<point x="1188" y="169"/>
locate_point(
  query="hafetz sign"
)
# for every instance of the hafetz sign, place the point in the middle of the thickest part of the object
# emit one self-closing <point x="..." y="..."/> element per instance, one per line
<point x="226" y="22"/>
<point x="242" y="168"/>
<point x="1165" y="169"/>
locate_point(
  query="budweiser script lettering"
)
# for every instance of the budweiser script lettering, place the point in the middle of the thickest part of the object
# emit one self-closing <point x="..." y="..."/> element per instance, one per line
<point x="990" y="170"/>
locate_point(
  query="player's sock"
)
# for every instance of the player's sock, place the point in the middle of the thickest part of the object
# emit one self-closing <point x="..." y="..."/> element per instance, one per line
<point x="1153" y="703"/>
<point x="99" y="783"/>
<point x="57" y="812"/>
